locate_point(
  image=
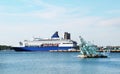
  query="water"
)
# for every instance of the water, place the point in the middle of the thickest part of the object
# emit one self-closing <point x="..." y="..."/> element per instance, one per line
<point x="56" y="63"/>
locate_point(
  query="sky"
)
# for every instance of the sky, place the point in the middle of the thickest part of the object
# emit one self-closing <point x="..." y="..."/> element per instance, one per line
<point x="97" y="21"/>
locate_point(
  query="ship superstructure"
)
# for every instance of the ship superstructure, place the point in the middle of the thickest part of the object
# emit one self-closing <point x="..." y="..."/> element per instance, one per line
<point x="53" y="43"/>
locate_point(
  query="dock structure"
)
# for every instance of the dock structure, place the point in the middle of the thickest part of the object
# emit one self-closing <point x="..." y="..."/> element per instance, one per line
<point x="109" y="48"/>
<point x="76" y="50"/>
<point x="103" y="50"/>
<point x="72" y="50"/>
<point x="88" y="50"/>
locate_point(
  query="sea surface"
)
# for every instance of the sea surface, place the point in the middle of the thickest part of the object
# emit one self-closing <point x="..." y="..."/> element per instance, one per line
<point x="12" y="62"/>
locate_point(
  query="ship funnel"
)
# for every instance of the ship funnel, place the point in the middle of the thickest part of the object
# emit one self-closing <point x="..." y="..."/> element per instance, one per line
<point x="55" y="35"/>
<point x="67" y="35"/>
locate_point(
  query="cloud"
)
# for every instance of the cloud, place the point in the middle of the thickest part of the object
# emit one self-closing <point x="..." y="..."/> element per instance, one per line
<point x="38" y="9"/>
<point x="117" y="11"/>
<point x="111" y="22"/>
<point x="40" y="3"/>
<point x="46" y="14"/>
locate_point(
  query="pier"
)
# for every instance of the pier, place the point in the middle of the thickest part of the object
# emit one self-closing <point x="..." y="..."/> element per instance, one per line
<point x="73" y="50"/>
<point x="109" y="48"/>
<point x="76" y="50"/>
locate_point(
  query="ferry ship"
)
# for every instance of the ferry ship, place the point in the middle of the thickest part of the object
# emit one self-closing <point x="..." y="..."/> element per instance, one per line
<point x="53" y="43"/>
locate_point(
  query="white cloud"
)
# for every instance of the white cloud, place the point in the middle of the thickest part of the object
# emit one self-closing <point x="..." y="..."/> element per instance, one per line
<point x="113" y="11"/>
<point x="41" y="10"/>
<point x="111" y="22"/>
<point x="76" y="26"/>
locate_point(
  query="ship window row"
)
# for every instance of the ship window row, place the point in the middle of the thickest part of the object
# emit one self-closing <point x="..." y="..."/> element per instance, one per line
<point x="42" y="45"/>
<point x="67" y="43"/>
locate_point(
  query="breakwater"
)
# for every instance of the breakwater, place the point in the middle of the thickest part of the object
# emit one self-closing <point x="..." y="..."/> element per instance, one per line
<point x="73" y="50"/>
<point x="77" y="50"/>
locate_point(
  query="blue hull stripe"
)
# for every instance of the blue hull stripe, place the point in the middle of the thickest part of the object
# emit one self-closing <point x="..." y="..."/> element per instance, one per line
<point x="40" y="48"/>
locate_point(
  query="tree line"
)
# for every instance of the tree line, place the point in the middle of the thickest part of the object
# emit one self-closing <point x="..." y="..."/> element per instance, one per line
<point x="5" y="47"/>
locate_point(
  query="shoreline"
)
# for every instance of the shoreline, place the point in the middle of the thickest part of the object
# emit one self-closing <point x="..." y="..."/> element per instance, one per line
<point x="76" y="50"/>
